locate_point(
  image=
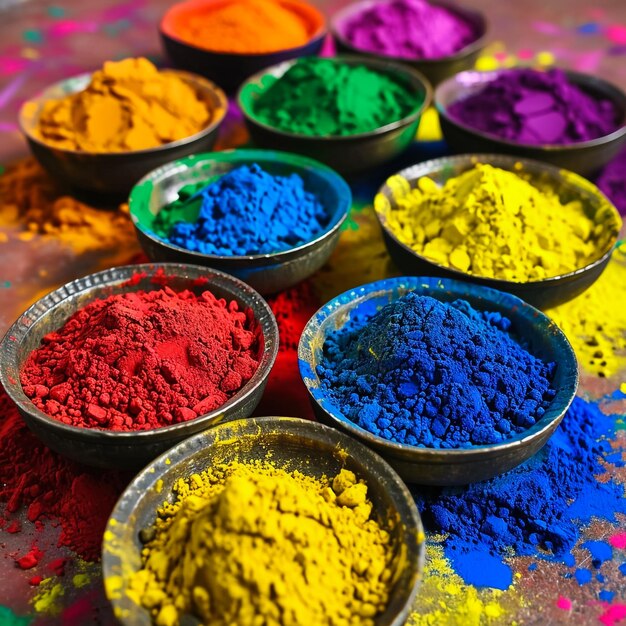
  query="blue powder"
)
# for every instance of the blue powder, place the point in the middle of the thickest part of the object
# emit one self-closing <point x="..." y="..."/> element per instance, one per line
<point x="600" y="552"/>
<point x="482" y="569"/>
<point x="429" y="373"/>
<point x="583" y="576"/>
<point x="249" y="211"/>
<point x="537" y="508"/>
<point x="532" y="567"/>
<point x="606" y="596"/>
<point x="622" y="568"/>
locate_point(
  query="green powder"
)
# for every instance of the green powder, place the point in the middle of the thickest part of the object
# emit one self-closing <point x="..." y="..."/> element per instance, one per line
<point x="322" y="97"/>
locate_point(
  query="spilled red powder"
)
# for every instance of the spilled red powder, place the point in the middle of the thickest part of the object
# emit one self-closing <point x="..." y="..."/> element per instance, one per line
<point x="142" y="360"/>
<point x="30" y="559"/>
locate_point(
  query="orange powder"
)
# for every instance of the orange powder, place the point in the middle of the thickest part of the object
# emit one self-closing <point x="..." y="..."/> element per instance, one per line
<point x="242" y="26"/>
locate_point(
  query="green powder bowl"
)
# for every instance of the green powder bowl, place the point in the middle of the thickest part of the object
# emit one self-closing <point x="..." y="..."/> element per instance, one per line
<point x="347" y="153"/>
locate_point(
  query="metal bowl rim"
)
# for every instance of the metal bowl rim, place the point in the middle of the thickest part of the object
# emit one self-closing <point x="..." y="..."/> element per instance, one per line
<point x="380" y="65"/>
<point x="451" y="455"/>
<point x="104" y="437"/>
<point x="434" y="165"/>
<point x="330" y="175"/>
<point x="189" y="79"/>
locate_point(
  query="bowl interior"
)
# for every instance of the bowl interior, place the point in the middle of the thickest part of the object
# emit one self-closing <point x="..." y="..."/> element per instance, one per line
<point x="291" y="443"/>
<point x="208" y="92"/>
<point x="410" y="79"/>
<point x="161" y="187"/>
<point x="567" y="185"/>
<point x="541" y="335"/>
<point x="52" y="311"/>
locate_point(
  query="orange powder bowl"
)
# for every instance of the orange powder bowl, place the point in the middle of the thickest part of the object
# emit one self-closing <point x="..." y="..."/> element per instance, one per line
<point x="187" y="39"/>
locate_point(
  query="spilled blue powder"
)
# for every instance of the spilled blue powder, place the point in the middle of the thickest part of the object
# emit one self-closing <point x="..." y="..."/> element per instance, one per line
<point x="622" y="568"/>
<point x="429" y="373"/>
<point x="583" y="576"/>
<point x="537" y="508"/>
<point x="249" y="211"/>
<point x="600" y="552"/>
<point x="606" y="596"/>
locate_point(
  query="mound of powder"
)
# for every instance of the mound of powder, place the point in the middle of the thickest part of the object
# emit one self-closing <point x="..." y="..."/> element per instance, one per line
<point x="435" y="374"/>
<point x="253" y="544"/>
<point x="534" y="107"/>
<point x="128" y="105"/>
<point x="412" y="29"/>
<point x="246" y="211"/>
<point x="142" y="360"/>
<point x="496" y="223"/>
<point x="322" y="97"/>
<point x="612" y="182"/>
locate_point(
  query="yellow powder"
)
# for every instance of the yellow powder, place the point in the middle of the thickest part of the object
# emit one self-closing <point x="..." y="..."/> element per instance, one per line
<point x="494" y="223"/>
<point x="128" y="105"/>
<point x="253" y="544"/>
<point x="49" y="598"/>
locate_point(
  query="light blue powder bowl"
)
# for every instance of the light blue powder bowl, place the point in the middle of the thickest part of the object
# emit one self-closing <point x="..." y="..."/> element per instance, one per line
<point x="430" y="466"/>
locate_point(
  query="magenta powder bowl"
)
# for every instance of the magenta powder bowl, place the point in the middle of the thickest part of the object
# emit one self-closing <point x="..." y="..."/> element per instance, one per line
<point x="583" y="157"/>
<point x="378" y="37"/>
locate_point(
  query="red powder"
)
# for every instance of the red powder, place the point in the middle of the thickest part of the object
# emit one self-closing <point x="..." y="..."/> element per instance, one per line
<point x="142" y="360"/>
<point x="58" y="566"/>
<point x="35" y="580"/>
<point x="30" y="559"/>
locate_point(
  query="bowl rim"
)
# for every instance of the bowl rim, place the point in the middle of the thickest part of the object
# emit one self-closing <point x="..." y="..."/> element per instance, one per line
<point x="578" y="78"/>
<point x="318" y="34"/>
<point x="349" y="300"/>
<point x="249" y="156"/>
<point x="399" y="494"/>
<point x="507" y="162"/>
<point x="386" y="66"/>
<point x="192" y="80"/>
<point x="16" y="331"/>
<point x="353" y="9"/>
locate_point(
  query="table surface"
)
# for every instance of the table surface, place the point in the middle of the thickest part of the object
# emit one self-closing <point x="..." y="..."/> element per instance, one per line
<point x="40" y="43"/>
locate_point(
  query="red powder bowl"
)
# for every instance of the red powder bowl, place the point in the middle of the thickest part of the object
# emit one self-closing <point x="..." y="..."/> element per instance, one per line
<point x="229" y="69"/>
<point x="133" y="449"/>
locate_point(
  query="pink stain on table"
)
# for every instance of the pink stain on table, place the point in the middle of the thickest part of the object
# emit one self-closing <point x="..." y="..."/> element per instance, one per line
<point x="564" y="603"/>
<point x="546" y="28"/>
<point x="616" y="33"/>
<point x="613" y="615"/>
<point x="71" y="27"/>
<point x="618" y="541"/>
<point x="11" y="65"/>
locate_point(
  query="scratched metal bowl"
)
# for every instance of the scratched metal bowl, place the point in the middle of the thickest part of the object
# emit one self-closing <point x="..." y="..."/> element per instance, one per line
<point x="435" y="70"/>
<point x="267" y="273"/>
<point x="128" y="450"/>
<point x="114" y="173"/>
<point x="459" y="466"/>
<point x="544" y="293"/>
<point x="313" y="449"/>
<point x="583" y="157"/>
<point x="350" y="153"/>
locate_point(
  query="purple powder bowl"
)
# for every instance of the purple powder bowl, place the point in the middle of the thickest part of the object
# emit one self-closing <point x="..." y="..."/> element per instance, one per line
<point x="526" y="126"/>
<point x="437" y="38"/>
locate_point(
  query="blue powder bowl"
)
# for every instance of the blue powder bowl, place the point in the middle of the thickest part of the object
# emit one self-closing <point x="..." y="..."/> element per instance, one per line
<point x="267" y="273"/>
<point x="429" y="466"/>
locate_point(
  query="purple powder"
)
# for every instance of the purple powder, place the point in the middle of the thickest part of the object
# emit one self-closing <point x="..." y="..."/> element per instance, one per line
<point x="533" y="107"/>
<point x="612" y="182"/>
<point x="410" y="29"/>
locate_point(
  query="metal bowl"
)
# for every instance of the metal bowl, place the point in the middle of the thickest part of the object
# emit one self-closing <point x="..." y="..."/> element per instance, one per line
<point x="128" y="450"/>
<point x="584" y="157"/>
<point x="115" y="172"/>
<point x="430" y="466"/>
<point x="311" y="448"/>
<point x="350" y="153"/>
<point x="544" y="293"/>
<point x="435" y="70"/>
<point x="267" y="273"/>
<point x="230" y="69"/>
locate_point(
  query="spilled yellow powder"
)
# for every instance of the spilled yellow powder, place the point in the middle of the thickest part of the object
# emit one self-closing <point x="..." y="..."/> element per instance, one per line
<point x="252" y="544"/>
<point x="595" y="321"/>
<point x="49" y="597"/>
<point x="494" y="223"/>
<point x="128" y="105"/>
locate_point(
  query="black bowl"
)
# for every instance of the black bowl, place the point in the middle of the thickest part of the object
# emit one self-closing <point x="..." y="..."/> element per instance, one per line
<point x="435" y="70"/>
<point x="230" y="69"/>
<point x="584" y="157"/>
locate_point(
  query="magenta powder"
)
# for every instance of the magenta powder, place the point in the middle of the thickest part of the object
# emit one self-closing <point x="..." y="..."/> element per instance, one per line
<point x="534" y="107"/>
<point x="411" y="29"/>
<point x="612" y="181"/>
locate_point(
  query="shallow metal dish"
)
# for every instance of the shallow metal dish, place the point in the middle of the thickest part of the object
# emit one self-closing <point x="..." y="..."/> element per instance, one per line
<point x="584" y="157"/>
<point x="129" y="450"/>
<point x="540" y="293"/>
<point x="346" y="154"/>
<point x="267" y="273"/>
<point x="311" y="448"/>
<point x="115" y="172"/>
<point x="435" y="70"/>
<point x="429" y="466"/>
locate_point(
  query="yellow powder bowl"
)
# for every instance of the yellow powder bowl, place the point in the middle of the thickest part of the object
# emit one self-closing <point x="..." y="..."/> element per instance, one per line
<point x="115" y="173"/>
<point x="552" y="290"/>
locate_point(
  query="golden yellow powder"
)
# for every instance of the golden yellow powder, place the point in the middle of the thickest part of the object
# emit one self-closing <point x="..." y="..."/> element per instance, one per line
<point x="254" y="544"/>
<point x="494" y="223"/>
